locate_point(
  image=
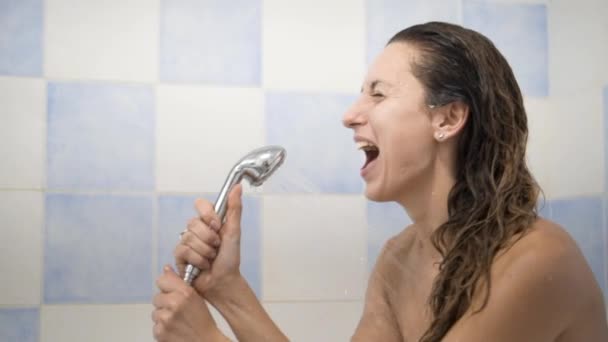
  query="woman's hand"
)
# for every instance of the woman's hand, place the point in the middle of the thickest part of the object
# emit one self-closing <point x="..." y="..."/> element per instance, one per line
<point x="220" y="281"/>
<point x="214" y="249"/>
<point x="180" y="313"/>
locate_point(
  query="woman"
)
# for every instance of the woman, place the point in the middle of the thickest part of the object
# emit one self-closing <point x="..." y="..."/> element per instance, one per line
<point x="442" y="122"/>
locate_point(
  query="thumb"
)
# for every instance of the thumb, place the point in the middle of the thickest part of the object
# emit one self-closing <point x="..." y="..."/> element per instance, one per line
<point x="234" y="211"/>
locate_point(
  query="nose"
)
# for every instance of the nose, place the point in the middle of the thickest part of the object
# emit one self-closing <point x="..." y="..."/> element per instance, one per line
<point x="354" y="116"/>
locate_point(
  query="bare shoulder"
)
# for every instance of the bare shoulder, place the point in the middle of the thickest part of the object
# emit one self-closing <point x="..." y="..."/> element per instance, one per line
<point x="552" y="265"/>
<point x="541" y="286"/>
<point x="548" y="255"/>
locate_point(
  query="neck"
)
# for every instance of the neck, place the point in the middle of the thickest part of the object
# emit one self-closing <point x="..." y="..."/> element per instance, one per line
<point x="427" y="206"/>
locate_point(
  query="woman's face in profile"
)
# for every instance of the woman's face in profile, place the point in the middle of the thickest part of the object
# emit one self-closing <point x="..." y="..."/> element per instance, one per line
<point x="392" y="115"/>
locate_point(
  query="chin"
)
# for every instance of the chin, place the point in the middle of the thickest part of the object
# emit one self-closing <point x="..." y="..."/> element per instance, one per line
<point x="373" y="193"/>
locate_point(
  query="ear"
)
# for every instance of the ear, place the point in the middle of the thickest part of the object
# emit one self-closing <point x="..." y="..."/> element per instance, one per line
<point x="449" y="120"/>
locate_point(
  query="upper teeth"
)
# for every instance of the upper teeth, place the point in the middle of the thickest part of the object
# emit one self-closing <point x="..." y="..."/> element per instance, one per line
<point x="364" y="145"/>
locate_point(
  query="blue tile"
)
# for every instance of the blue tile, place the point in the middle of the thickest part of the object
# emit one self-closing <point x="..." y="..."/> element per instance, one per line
<point x="98" y="249"/>
<point x="19" y="325"/>
<point x="211" y="41"/>
<point x="100" y="137"/>
<point x="387" y="17"/>
<point x="176" y="211"/>
<point x="544" y="208"/>
<point x="520" y="33"/>
<point x="21" y="37"/>
<point x="321" y="154"/>
<point x="384" y="220"/>
<point x="605" y="93"/>
<point x="583" y="219"/>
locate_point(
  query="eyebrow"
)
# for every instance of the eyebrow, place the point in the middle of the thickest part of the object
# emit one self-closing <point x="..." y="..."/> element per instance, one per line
<point x="375" y="83"/>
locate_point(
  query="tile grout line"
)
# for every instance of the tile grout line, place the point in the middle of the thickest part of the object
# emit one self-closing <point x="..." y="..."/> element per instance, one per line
<point x="154" y="241"/>
<point x="155" y="238"/>
<point x="44" y="177"/>
<point x="156" y="205"/>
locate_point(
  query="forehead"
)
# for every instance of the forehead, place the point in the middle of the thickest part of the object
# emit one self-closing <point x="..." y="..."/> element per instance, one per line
<point x="393" y="64"/>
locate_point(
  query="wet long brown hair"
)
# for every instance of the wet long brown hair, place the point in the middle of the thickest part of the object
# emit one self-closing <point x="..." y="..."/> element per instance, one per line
<point x="493" y="201"/>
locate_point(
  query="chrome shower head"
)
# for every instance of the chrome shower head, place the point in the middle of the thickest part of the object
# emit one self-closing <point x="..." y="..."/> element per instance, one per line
<point x="259" y="164"/>
<point x="256" y="166"/>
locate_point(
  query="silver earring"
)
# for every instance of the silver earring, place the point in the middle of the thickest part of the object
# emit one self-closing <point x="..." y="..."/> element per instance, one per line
<point x="441" y="136"/>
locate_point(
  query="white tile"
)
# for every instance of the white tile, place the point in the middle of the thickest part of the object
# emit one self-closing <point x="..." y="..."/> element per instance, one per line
<point x="22" y="132"/>
<point x="114" y="39"/>
<point x="202" y="132"/>
<point x="320" y="322"/>
<point x="313" y="44"/>
<point x="96" y="323"/>
<point x="578" y="45"/>
<point x="21" y="219"/>
<point x="539" y="112"/>
<point x="314" y="247"/>
<point x="576" y="149"/>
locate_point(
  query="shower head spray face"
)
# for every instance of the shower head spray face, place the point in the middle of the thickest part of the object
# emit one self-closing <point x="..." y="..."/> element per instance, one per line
<point x="260" y="164"/>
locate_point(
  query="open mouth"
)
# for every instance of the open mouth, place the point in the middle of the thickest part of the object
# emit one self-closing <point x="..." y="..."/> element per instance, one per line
<point x="371" y="152"/>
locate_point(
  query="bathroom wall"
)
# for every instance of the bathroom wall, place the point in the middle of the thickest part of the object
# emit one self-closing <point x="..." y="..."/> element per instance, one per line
<point x="115" y="115"/>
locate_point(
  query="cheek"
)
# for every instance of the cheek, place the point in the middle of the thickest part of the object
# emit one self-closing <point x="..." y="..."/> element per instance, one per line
<point x="409" y="153"/>
<point x="405" y="136"/>
<point x="409" y="141"/>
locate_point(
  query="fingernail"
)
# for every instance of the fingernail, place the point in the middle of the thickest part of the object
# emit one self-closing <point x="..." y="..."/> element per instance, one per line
<point x="215" y="225"/>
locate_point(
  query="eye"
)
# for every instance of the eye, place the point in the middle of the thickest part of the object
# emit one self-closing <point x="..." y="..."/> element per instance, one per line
<point x="378" y="95"/>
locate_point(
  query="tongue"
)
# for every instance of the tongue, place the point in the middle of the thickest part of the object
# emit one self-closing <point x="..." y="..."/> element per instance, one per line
<point x="370" y="157"/>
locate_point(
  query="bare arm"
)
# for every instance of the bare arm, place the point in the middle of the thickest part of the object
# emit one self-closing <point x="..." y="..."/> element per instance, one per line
<point x="215" y="250"/>
<point x="378" y="322"/>
<point x="247" y="318"/>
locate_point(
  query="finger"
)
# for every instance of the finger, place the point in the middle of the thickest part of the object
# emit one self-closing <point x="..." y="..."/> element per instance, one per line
<point x="159" y="332"/>
<point x="161" y="316"/>
<point x="234" y="210"/>
<point x="202" y="248"/>
<point x="186" y="255"/>
<point x="170" y="282"/>
<point x="203" y="232"/>
<point x="164" y="301"/>
<point x="157" y="300"/>
<point x="207" y="213"/>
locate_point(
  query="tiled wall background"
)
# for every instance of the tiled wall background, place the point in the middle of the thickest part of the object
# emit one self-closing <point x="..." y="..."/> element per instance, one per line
<point x="116" y="114"/>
